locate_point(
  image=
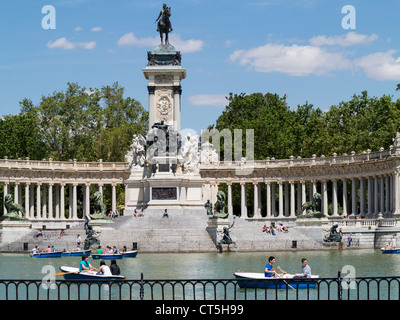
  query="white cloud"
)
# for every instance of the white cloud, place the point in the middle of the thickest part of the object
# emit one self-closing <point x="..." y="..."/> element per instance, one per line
<point x="65" y="44"/>
<point x="215" y="100"/>
<point x="380" y="66"/>
<point x="351" y="38"/>
<point x="78" y="29"/>
<point x="191" y="45"/>
<point x="294" y="60"/>
<point x="96" y="29"/>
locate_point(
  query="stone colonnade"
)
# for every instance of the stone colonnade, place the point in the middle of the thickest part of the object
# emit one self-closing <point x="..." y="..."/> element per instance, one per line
<point x="48" y="189"/>
<point x="48" y="200"/>
<point x="363" y="196"/>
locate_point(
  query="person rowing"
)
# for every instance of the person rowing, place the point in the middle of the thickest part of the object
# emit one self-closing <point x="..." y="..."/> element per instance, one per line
<point x="85" y="264"/>
<point x="269" y="270"/>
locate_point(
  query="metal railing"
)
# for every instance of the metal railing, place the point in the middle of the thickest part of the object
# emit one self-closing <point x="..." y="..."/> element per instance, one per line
<point x="339" y="288"/>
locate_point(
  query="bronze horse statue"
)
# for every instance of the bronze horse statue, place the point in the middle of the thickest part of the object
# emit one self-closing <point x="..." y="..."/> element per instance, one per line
<point x="164" y="24"/>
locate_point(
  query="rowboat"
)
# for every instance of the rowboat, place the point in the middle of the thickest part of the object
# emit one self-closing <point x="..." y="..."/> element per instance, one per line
<point x="259" y="280"/>
<point x="54" y="254"/>
<point x="107" y="256"/>
<point x="72" y="273"/>
<point x="76" y="253"/>
<point x="392" y="251"/>
<point x="130" y="254"/>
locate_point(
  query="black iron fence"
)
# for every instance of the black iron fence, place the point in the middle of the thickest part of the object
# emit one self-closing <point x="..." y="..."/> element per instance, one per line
<point x="338" y="288"/>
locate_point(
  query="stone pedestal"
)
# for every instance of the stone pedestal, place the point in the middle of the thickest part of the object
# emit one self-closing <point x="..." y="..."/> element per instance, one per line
<point x="11" y="231"/>
<point x="101" y="224"/>
<point x="215" y="228"/>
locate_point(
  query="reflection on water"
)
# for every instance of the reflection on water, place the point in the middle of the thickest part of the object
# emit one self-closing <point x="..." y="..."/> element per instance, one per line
<point x="366" y="263"/>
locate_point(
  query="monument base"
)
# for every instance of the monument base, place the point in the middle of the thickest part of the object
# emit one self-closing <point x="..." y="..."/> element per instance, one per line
<point x="101" y="224"/>
<point x="11" y="231"/>
<point x="215" y="229"/>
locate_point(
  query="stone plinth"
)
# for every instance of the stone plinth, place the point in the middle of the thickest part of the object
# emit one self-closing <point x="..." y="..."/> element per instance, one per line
<point x="101" y="224"/>
<point x="11" y="231"/>
<point x="215" y="227"/>
<point x="312" y="222"/>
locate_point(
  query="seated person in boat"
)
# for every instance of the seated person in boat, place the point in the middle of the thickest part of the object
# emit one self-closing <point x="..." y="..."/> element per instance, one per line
<point x="114" y="268"/>
<point x="104" y="269"/>
<point x="35" y="250"/>
<point x="99" y="250"/>
<point x="78" y="248"/>
<point x="114" y="250"/>
<point x="47" y="250"/>
<point x="269" y="271"/>
<point x="85" y="264"/>
<point x="124" y="249"/>
<point x="305" y="270"/>
<point x="391" y="245"/>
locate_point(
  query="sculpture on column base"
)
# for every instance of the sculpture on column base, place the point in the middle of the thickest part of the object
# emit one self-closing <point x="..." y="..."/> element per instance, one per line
<point x="91" y="238"/>
<point x="99" y="208"/>
<point x="13" y="209"/>
<point x="312" y="208"/>
<point x="219" y="206"/>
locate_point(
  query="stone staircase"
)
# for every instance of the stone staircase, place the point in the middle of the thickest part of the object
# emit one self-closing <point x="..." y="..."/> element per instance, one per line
<point x="183" y="233"/>
<point x="157" y="234"/>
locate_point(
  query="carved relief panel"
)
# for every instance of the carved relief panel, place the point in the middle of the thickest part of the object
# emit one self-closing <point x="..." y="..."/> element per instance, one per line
<point x="164" y="105"/>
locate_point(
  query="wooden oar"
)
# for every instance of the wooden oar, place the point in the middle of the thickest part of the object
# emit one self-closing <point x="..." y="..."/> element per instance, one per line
<point x="283" y="280"/>
<point x="62" y="273"/>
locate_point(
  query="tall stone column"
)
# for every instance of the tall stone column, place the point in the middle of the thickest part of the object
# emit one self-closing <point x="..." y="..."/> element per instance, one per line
<point x="6" y="186"/>
<point x="57" y="194"/>
<point x="273" y="202"/>
<point x="31" y="202"/>
<point x="325" y="198"/>
<point x="151" y="90"/>
<point x="353" y="196"/>
<point x="38" y="204"/>
<point x="292" y="200"/>
<point x="27" y="211"/>
<point x="370" y="196"/>
<point x="362" y="196"/>
<point x="74" y="201"/>
<point x="303" y="194"/>
<point x="334" y="199"/>
<point x="268" y="199"/>
<point x="71" y="201"/>
<point x="387" y="179"/>
<point x="243" y="202"/>
<point x="177" y="90"/>
<point x="50" y="201"/>
<point x="87" y="199"/>
<point x="299" y="198"/>
<point x="62" y="201"/>
<point x="376" y="194"/>
<point x="230" y="206"/>
<point x="114" y="198"/>
<point x="44" y="200"/>
<point x="280" y="212"/>
<point x="345" y="198"/>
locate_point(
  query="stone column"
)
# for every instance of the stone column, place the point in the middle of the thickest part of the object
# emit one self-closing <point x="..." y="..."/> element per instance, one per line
<point x="38" y="204"/>
<point x="344" y="183"/>
<point x="268" y="199"/>
<point x="391" y="203"/>
<point x="57" y="193"/>
<point x="303" y="194"/>
<point x="71" y="201"/>
<point x="101" y="190"/>
<point x="230" y="206"/>
<point x="362" y="197"/>
<point x="325" y="198"/>
<point x="292" y="200"/>
<point x="74" y="201"/>
<point x="387" y="179"/>
<point x="114" y="198"/>
<point x="27" y="211"/>
<point x="50" y="201"/>
<point x="334" y="199"/>
<point x="44" y="204"/>
<point x="62" y="201"/>
<point x="31" y="202"/>
<point x="376" y="211"/>
<point x="273" y="203"/>
<point x="6" y="186"/>
<point x="87" y="199"/>
<point x="299" y="198"/>
<point x="370" y="196"/>
<point x="256" y="207"/>
<point x="280" y="212"/>
<point x="353" y="196"/>
<point x="243" y="202"/>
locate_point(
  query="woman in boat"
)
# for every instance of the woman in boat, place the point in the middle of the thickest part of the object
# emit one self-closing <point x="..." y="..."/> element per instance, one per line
<point x="104" y="269"/>
<point x="114" y="268"/>
<point x="85" y="264"/>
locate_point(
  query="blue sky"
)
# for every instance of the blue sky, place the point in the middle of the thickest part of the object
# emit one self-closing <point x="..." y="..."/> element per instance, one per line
<point x="295" y="46"/>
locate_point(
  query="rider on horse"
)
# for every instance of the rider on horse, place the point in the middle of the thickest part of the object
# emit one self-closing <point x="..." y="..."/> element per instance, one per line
<point x="164" y="22"/>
